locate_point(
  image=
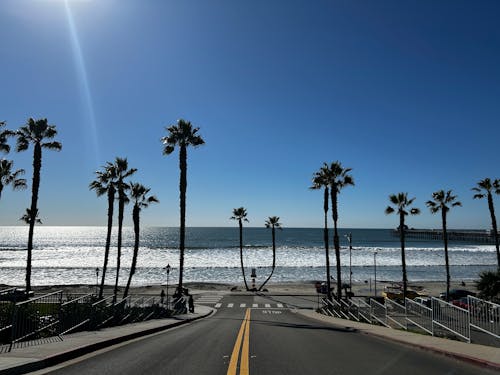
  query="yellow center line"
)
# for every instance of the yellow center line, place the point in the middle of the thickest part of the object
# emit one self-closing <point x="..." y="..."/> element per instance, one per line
<point x="243" y="335"/>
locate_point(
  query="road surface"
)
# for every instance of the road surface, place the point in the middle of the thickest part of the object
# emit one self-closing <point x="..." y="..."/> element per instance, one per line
<point x="259" y="336"/>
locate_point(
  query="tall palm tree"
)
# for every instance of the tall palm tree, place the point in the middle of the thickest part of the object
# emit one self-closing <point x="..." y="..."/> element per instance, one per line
<point x="320" y="181"/>
<point x="10" y="177"/>
<point x="105" y="184"/>
<point x="402" y="208"/>
<point x="485" y="189"/>
<point x="122" y="172"/>
<point x="240" y="214"/>
<point x="272" y="222"/>
<point x="181" y="135"/>
<point x="139" y="195"/>
<point x="442" y="201"/>
<point x="35" y="132"/>
<point x="339" y="178"/>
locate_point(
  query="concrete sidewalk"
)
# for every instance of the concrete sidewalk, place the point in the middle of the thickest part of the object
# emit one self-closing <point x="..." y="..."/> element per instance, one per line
<point x="38" y="356"/>
<point x="479" y="354"/>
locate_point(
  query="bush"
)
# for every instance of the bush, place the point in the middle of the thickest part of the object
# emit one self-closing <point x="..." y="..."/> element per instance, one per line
<point x="489" y="285"/>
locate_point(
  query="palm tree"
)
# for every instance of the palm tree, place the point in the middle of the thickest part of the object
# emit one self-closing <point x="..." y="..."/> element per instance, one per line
<point x="105" y="184"/>
<point x="240" y="214"/>
<point x="10" y="177"/>
<point x="272" y="222"/>
<point x="181" y="135"/>
<point x="139" y="194"/>
<point x="35" y="132"/>
<point x="122" y="172"/>
<point x="338" y="178"/>
<point x="320" y="181"/>
<point x="402" y="208"/>
<point x="27" y="217"/>
<point x="486" y="188"/>
<point x="4" y="135"/>
<point x="442" y="201"/>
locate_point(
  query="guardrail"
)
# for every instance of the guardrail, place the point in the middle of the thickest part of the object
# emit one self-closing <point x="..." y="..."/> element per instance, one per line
<point x="49" y="316"/>
<point x="441" y="318"/>
<point x="485" y="316"/>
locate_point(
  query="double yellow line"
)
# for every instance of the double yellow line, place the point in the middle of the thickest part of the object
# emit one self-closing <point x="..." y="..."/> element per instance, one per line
<point x="243" y="343"/>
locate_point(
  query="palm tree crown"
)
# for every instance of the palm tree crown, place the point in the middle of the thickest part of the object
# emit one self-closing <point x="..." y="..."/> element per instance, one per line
<point x="183" y="134"/>
<point x="442" y="201"/>
<point x="273" y="222"/>
<point x="239" y="214"/>
<point x="139" y="195"/>
<point x="485" y="189"/>
<point x="10" y="177"/>
<point x="35" y="132"/>
<point x="4" y="135"/>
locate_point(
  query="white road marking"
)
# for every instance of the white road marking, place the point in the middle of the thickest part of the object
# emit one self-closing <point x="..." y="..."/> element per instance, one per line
<point x="267" y="305"/>
<point x="255" y="305"/>
<point x="218" y="305"/>
<point x="230" y="305"/>
<point x="279" y="304"/>
<point x="243" y="305"/>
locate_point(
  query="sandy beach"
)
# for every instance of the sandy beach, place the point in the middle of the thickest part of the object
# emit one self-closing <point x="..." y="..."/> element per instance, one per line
<point x="430" y="288"/>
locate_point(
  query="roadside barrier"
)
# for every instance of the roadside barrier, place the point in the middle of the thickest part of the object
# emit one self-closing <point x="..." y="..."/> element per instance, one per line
<point x="48" y="316"/>
<point x="439" y="319"/>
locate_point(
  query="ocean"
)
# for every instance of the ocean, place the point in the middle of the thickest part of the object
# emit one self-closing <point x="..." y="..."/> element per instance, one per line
<point x="70" y="255"/>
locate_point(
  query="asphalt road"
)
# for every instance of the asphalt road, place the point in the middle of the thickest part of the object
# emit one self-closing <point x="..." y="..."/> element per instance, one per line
<point x="243" y="340"/>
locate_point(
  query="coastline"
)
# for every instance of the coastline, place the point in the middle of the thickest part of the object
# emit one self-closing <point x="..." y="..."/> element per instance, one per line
<point x="427" y="288"/>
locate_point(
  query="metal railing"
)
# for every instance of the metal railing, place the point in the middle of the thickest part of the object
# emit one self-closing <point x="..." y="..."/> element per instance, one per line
<point x="396" y="314"/>
<point x="452" y="318"/>
<point x="76" y="314"/>
<point x="484" y="315"/>
<point x="36" y="318"/>
<point x="419" y="315"/>
<point x="378" y="312"/>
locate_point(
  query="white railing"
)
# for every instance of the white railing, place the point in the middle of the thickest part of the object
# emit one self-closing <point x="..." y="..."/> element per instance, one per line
<point x="378" y="312"/>
<point x="364" y="309"/>
<point x="419" y="315"/>
<point x="484" y="316"/>
<point x="396" y="313"/>
<point x="451" y="318"/>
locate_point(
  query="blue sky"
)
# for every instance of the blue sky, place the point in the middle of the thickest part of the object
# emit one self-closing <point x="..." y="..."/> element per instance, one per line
<point x="404" y="92"/>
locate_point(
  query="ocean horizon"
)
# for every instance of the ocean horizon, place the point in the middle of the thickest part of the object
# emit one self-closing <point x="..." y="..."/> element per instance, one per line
<point x="64" y="255"/>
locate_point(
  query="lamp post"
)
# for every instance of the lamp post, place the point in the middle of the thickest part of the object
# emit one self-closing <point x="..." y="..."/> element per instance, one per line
<point x="349" y="238"/>
<point x="375" y="268"/>
<point x="168" y="274"/>
<point x="96" y="279"/>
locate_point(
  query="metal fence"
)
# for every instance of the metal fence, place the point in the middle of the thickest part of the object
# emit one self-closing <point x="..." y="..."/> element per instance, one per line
<point x="51" y="316"/>
<point x="440" y="319"/>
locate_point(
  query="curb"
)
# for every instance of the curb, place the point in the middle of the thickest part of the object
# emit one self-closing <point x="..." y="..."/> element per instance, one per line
<point x="82" y="350"/>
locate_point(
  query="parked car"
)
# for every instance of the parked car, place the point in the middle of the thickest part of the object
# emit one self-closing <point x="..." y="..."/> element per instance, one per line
<point x="462" y="302"/>
<point x="426" y="301"/>
<point x="456" y="294"/>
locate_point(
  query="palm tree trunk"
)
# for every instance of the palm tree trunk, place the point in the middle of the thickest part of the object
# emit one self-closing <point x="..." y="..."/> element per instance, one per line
<point x="274" y="258"/>
<point x="182" y="201"/>
<point x="121" y="208"/>
<point x="111" y="202"/>
<point x="241" y="255"/>
<point x="494" y="225"/>
<point x="1" y="189"/>
<point x="446" y="260"/>
<point x="403" y="256"/>
<point x="327" y="249"/>
<point x="37" y="166"/>
<point x="336" y="242"/>
<point x="135" y="217"/>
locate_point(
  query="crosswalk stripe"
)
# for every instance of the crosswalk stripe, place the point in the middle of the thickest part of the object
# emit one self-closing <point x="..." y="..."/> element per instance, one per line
<point x="218" y="305"/>
<point x="267" y="305"/>
<point x="255" y="305"/>
<point x="243" y="305"/>
<point x="279" y="304"/>
<point x="230" y="305"/>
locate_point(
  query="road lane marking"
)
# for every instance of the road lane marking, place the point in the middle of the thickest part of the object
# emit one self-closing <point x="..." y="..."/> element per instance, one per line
<point x="218" y="305"/>
<point x="255" y="305"/>
<point x="279" y="305"/>
<point x="245" y="349"/>
<point x="233" y="363"/>
<point x="267" y="305"/>
<point x="243" y="305"/>
<point x="230" y="305"/>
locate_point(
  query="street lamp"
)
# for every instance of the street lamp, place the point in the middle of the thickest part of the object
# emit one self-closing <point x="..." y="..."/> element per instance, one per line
<point x="168" y="274"/>
<point x="349" y="238"/>
<point x="96" y="279"/>
<point x="375" y="268"/>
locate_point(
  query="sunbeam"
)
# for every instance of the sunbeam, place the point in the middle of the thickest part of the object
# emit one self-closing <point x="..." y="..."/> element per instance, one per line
<point x="83" y="80"/>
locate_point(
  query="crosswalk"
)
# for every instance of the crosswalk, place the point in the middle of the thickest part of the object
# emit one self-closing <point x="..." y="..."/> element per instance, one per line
<point x="208" y="299"/>
<point x="214" y="300"/>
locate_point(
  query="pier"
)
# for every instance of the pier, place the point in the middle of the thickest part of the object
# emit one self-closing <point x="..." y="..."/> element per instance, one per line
<point x="476" y="236"/>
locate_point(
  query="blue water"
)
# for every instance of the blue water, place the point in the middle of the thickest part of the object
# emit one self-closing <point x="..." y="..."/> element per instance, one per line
<point x="70" y="255"/>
